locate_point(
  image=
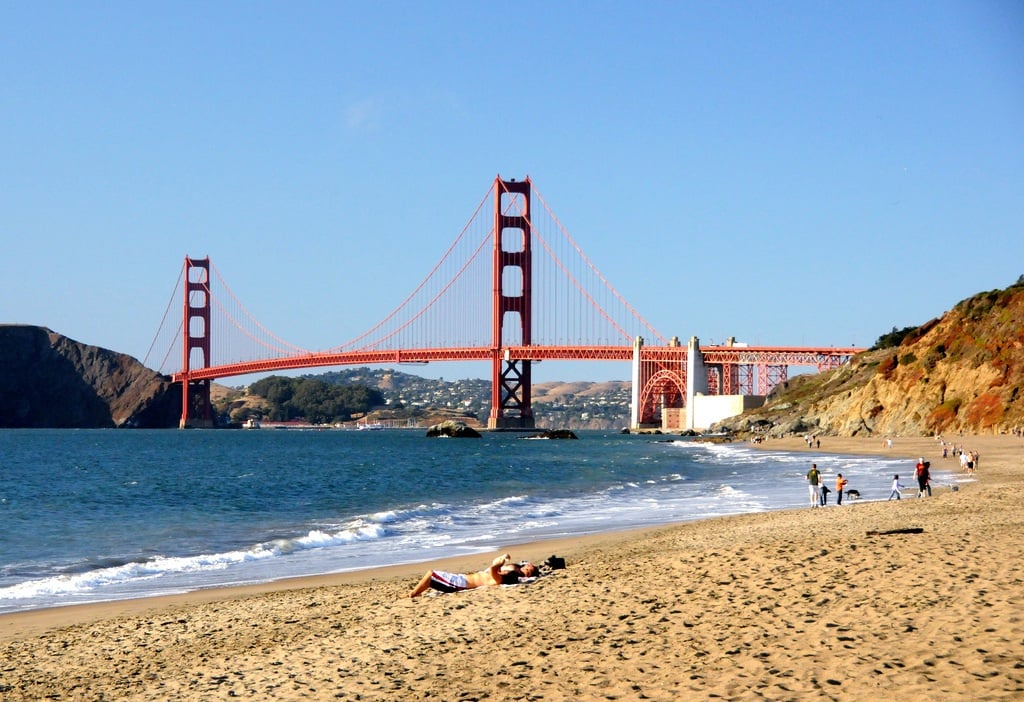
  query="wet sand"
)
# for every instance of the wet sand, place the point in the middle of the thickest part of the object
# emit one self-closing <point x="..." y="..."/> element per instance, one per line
<point x="792" y="605"/>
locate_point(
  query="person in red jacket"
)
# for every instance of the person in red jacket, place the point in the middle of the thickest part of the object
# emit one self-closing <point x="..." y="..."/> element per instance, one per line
<point x="924" y="478"/>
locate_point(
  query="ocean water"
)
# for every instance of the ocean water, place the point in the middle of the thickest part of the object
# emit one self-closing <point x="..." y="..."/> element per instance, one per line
<point x="100" y="515"/>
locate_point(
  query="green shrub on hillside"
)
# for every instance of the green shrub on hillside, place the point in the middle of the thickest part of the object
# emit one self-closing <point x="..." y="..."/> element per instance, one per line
<point x="943" y="415"/>
<point x="893" y="338"/>
<point x="887" y="365"/>
<point x="934" y="355"/>
<point x="314" y="400"/>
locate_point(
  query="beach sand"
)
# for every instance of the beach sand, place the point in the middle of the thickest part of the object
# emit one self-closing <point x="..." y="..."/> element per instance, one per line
<point x="792" y="605"/>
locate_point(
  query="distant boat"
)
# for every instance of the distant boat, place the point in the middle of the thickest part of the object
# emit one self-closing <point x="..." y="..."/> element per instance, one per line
<point x="251" y="423"/>
<point x="367" y="426"/>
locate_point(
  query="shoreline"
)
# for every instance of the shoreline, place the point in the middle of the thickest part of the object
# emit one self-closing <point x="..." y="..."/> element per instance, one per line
<point x="727" y="605"/>
<point x="35" y="621"/>
<point x="14" y="624"/>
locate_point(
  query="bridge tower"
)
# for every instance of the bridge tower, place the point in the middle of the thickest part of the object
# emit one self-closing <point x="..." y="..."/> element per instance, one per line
<point x="511" y="320"/>
<point x="196" y="409"/>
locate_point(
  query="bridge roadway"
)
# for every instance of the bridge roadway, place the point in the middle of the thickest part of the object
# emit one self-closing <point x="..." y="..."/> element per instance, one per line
<point x="358" y="358"/>
<point x="820" y="358"/>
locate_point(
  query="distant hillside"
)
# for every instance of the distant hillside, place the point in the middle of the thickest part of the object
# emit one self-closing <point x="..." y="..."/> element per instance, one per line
<point x="556" y="405"/>
<point x="49" y="380"/>
<point x="582" y="405"/>
<point x="963" y="372"/>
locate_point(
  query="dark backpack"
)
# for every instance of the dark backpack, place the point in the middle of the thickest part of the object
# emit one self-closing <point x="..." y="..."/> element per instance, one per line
<point x="555" y="563"/>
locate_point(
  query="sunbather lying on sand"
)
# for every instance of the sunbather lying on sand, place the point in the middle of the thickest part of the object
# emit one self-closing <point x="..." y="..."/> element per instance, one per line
<point x="501" y="572"/>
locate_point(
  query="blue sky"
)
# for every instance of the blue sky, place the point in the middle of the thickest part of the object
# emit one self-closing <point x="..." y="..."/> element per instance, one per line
<point x="798" y="173"/>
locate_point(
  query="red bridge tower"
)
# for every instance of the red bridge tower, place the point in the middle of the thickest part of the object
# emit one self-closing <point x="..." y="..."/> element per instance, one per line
<point x="512" y="300"/>
<point x="196" y="410"/>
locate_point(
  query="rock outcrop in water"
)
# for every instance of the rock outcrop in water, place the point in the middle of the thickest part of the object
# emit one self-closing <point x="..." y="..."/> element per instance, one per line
<point x="453" y="429"/>
<point x="554" y="434"/>
<point x="50" y="381"/>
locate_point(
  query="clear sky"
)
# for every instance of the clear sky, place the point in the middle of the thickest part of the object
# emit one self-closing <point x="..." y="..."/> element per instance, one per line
<point x="802" y="173"/>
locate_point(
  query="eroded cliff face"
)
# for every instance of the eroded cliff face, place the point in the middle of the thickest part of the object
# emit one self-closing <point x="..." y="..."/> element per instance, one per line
<point x="963" y="372"/>
<point x="49" y="380"/>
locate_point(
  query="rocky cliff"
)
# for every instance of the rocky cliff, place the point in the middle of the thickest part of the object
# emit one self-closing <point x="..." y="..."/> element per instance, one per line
<point x="962" y="372"/>
<point x="49" y="380"/>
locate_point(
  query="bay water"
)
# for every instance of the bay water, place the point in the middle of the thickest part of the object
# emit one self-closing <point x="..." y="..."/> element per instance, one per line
<point x="100" y="515"/>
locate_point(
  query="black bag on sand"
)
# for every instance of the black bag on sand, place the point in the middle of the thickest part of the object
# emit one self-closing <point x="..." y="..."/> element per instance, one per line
<point x="555" y="563"/>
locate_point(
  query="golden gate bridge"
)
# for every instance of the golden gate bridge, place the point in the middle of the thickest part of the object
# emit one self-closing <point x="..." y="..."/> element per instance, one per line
<point x="513" y="289"/>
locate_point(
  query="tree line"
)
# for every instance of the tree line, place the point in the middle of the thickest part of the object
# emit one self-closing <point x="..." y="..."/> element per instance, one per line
<point x="314" y="400"/>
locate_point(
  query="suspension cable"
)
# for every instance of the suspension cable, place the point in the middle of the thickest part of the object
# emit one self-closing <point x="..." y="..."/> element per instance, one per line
<point x="423" y="283"/>
<point x="272" y="335"/>
<point x="594" y="268"/>
<point x="174" y="294"/>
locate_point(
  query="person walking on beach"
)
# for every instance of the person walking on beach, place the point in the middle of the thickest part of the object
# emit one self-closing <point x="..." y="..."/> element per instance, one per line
<point x="813" y="478"/>
<point x="501" y="572"/>
<point x="896" y="487"/>
<point x="840" y="486"/>
<point x="824" y="493"/>
<point x="924" y="480"/>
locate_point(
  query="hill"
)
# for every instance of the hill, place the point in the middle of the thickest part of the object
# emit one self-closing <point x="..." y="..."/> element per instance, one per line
<point x="49" y="380"/>
<point x="961" y="372"/>
<point x="424" y="401"/>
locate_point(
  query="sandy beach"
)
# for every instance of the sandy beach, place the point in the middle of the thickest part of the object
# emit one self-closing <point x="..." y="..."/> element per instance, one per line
<point x="792" y="605"/>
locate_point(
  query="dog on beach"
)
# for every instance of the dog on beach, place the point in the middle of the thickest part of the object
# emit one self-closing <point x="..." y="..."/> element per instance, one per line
<point x="853" y="494"/>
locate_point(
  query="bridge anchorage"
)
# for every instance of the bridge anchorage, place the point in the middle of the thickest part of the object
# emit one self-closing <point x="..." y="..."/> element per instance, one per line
<point x="543" y="292"/>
